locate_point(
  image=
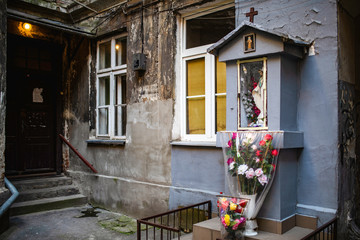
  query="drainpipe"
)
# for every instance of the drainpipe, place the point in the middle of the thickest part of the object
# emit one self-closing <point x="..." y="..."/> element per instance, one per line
<point x="11" y="200"/>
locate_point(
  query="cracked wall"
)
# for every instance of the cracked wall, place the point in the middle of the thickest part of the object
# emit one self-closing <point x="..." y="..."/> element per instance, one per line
<point x="3" y="34"/>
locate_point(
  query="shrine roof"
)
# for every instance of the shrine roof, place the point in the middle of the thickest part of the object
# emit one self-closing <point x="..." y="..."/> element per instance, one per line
<point x="246" y="25"/>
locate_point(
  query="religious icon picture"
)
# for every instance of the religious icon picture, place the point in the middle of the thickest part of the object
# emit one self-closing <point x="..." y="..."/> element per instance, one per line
<point x="252" y="94"/>
<point x="249" y="42"/>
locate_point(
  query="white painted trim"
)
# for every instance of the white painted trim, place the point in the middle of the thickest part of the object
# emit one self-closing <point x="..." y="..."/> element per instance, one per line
<point x="317" y="208"/>
<point x="111" y="73"/>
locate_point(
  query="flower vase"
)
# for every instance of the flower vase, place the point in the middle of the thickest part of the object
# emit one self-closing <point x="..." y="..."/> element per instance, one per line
<point x="250" y="214"/>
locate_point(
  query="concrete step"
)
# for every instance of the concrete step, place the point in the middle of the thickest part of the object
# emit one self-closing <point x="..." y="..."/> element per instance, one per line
<point x="41" y="182"/>
<point x="210" y="230"/>
<point x="46" y="204"/>
<point x="35" y="194"/>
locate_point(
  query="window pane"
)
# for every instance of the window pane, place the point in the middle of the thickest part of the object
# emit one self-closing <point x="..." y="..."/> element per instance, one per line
<point x="195" y="77"/>
<point x="120" y="50"/>
<point x="120" y="120"/>
<point x="120" y="111"/>
<point x="209" y="28"/>
<point x="220" y="113"/>
<point x="220" y="76"/>
<point x="252" y="95"/>
<point x="104" y="91"/>
<point x="105" y="55"/>
<point x="103" y="121"/>
<point x="195" y="116"/>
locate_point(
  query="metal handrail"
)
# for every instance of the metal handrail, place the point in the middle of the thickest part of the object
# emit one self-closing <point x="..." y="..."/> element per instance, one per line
<point x="77" y="153"/>
<point x="11" y="199"/>
<point x="151" y="221"/>
<point x="331" y="228"/>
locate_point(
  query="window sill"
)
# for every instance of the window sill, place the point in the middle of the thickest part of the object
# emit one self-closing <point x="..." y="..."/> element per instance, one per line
<point x="119" y="142"/>
<point x="194" y="143"/>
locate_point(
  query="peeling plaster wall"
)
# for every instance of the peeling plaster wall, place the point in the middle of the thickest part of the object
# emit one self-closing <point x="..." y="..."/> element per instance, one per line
<point x="317" y="100"/>
<point x="349" y="129"/>
<point x="3" y="34"/>
<point x="139" y="171"/>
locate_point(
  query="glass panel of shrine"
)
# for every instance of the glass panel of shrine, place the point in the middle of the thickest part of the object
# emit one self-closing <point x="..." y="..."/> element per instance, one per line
<point x="252" y="95"/>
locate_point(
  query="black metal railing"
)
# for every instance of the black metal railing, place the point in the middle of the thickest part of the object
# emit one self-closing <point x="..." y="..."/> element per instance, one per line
<point x="327" y="231"/>
<point x="170" y="225"/>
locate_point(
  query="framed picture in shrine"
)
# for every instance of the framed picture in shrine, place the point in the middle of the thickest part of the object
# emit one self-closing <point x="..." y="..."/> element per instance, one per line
<point x="249" y="43"/>
<point x="252" y="94"/>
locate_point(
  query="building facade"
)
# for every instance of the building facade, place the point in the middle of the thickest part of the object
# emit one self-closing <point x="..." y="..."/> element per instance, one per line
<point x="135" y="91"/>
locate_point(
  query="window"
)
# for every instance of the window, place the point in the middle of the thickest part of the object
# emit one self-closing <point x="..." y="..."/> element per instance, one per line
<point x="252" y="103"/>
<point x="203" y="76"/>
<point x="111" y="88"/>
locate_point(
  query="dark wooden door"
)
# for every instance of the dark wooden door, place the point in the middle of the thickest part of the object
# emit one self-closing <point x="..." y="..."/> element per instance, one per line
<point x="31" y="108"/>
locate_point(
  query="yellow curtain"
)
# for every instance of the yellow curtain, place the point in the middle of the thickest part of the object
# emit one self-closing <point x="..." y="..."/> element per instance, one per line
<point x="221" y="99"/>
<point x="195" y="96"/>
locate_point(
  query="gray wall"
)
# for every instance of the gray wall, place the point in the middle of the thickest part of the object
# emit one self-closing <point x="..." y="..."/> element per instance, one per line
<point x="197" y="175"/>
<point x="317" y="96"/>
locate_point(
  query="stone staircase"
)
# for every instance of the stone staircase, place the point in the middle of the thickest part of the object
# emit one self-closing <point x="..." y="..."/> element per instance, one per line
<point x="210" y="230"/>
<point x="45" y="193"/>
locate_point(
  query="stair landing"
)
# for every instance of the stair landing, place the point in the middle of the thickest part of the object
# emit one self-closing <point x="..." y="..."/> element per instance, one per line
<point x="45" y="193"/>
<point x="210" y="230"/>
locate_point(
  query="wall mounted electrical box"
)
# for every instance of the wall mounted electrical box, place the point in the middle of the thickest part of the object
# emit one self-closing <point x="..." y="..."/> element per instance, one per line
<point x="139" y="62"/>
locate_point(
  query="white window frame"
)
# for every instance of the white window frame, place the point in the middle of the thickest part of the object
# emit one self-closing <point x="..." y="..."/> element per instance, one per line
<point x="210" y="61"/>
<point x="111" y="72"/>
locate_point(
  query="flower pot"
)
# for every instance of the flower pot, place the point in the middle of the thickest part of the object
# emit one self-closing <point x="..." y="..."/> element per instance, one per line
<point x="250" y="214"/>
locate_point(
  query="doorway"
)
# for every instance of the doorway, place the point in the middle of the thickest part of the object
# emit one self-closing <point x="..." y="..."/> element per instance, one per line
<point x="32" y="83"/>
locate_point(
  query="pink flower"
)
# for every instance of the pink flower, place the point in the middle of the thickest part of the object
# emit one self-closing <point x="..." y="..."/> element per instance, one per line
<point x="268" y="137"/>
<point x="223" y="222"/>
<point x="230" y="160"/>
<point x="224" y="204"/>
<point x="258" y="172"/>
<point x="250" y="173"/>
<point x="237" y="223"/>
<point x="234" y="135"/>
<point x="258" y="160"/>
<point x="263" y="179"/>
<point x="229" y="143"/>
<point x="262" y="143"/>
<point x="274" y="152"/>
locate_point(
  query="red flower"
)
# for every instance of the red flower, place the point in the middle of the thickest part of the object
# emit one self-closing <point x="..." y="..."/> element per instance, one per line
<point x="256" y="110"/>
<point x="229" y="143"/>
<point x="268" y="137"/>
<point x="239" y="209"/>
<point x="254" y="85"/>
<point x="243" y="203"/>
<point x="262" y="143"/>
<point x="273" y="165"/>
<point x="230" y="160"/>
<point x="258" y="153"/>
<point x="274" y="152"/>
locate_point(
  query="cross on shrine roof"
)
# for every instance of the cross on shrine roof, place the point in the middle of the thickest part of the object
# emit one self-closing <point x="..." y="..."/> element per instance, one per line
<point x="251" y="14"/>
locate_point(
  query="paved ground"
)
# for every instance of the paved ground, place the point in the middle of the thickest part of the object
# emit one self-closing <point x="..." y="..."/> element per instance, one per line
<point x="64" y="224"/>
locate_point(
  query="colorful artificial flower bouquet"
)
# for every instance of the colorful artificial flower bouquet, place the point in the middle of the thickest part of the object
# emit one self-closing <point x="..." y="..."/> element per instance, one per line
<point x="231" y="212"/>
<point x="252" y="164"/>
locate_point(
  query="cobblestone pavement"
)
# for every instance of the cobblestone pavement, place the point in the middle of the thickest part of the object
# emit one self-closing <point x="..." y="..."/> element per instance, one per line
<point x="64" y="224"/>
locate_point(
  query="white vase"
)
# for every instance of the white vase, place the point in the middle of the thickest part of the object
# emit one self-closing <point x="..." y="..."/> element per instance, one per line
<point x="250" y="214"/>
